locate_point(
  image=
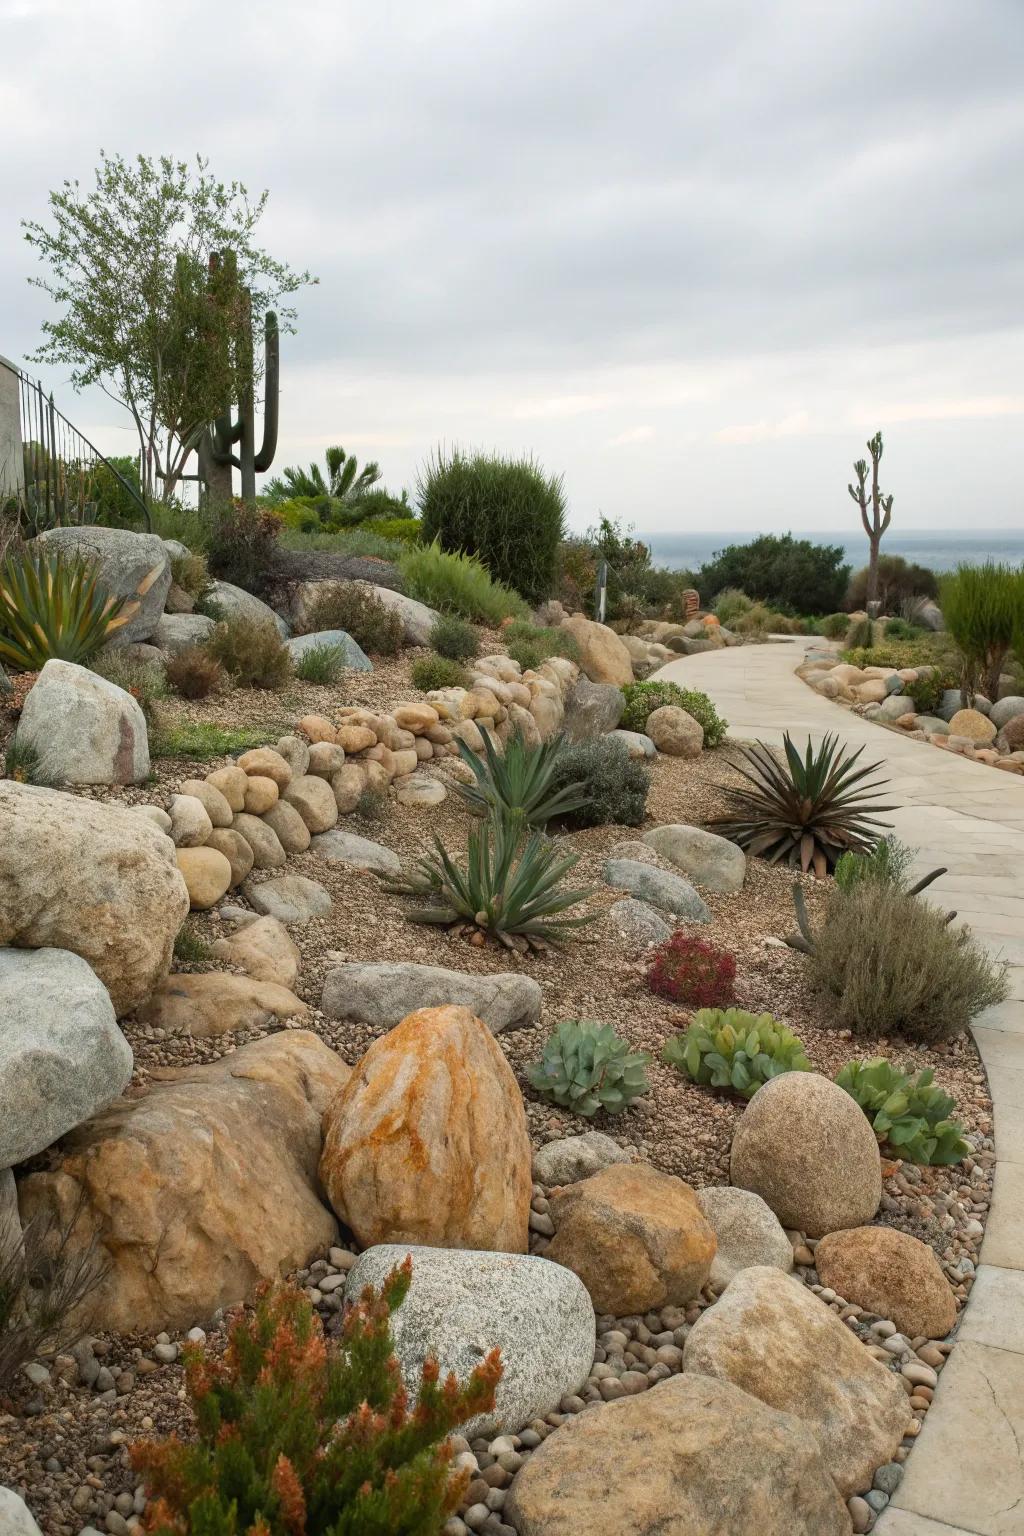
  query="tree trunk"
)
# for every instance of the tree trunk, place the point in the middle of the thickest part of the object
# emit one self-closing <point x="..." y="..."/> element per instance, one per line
<point x="872" y="588"/>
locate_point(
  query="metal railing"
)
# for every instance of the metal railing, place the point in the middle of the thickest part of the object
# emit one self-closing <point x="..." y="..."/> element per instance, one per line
<point x="59" y="477"/>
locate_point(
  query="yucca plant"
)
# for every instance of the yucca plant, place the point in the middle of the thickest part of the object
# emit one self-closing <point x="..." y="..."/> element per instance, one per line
<point x="586" y="1067"/>
<point x="729" y="1048"/>
<point x="506" y="888"/>
<point x="55" y="608"/>
<point x="521" y="782"/>
<point x="807" y="810"/>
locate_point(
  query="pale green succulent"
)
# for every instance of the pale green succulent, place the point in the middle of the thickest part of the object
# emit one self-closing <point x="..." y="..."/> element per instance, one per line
<point x="586" y="1067"/>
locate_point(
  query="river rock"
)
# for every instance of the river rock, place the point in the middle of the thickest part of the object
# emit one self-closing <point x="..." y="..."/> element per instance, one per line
<point x="462" y="1304"/>
<point x="637" y="744"/>
<point x="207" y="874"/>
<point x="267" y="852"/>
<point x="383" y="993"/>
<point x="773" y="1338"/>
<point x="235" y="849"/>
<point x="203" y="1187"/>
<point x="1006" y="709"/>
<point x="211" y="1003"/>
<point x="428" y="1141"/>
<point x="92" y="878"/>
<point x="807" y="1148"/>
<point x="661" y="887"/>
<point x="353" y="657"/>
<point x="314" y="800"/>
<point x="190" y="821"/>
<point x="264" y="950"/>
<point x="890" y="1273"/>
<point x="84" y="729"/>
<point x="125" y="561"/>
<point x="711" y="860"/>
<point x="289" y="898"/>
<point x="636" y="1237"/>
<point x="214" y="802"/>
<point x="62" y="1056"/>
<point x="603" y="657"/>
<point x="746" y="1232"/>
<point x="572" y="1158"/>
<point x="693" y="1457"/>
<point x="291" y="830"/>
<point x="357" y="852"/>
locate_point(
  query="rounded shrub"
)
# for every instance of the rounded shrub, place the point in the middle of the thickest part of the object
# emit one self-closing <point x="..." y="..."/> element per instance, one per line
<point x="433" y="671"/>
<point x="507" y="511"/>
<point x="689" y="970"/>
<point x="614" y="785"/>
<point x="730" y="604"/>
<point x="453" y="637"/>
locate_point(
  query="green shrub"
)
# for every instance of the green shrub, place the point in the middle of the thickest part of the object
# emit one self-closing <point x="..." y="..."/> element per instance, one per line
<point x="373" y="804"/>
<point x="642" y="699"/>
<point x="533" y="644"/>
<point x="194" y="673"/>
<point x="297" y="1435"/>
<point x="360" y="613"/>
<point x="55" y="608"/>
<point x="586" y="1067"/>
<point x="190" y="949"/>
<point x="191" y="526"/>
<point x="321" y="664"/>
<point x="835" y="625"/>
<point x="453" y="637"/>
<point x="889" y="965"/>
<point x="927" y="692"/>
<point x="204" y="740"/>
<point x="507" y="511"/>
<point x="615" y="786"/>
<point x="899" y="629"/>
<point x="911" y="1115"/>
<point x="457" y="583"/>
<point x="898" y="581"/>
<point x="242" y="545"/>
<point x="507" y="888"/>
<point x="252" y="652"/>
<point x="731" y="604"/>
<point x="397" y="530"/>
<point x="888" y="863"/>
<point x="758" y="621"/>
<point x="728" y="1048"/>
<point x="190" y="573"/>
<point x="523" y="782"/>
<point x="932" y="651"/>
<point x="146" y="681"/>
<point x="796" y="575"/>
<point x="983" y="606"/>
<point x="363" y="542"/>
<point x="430" y="672"/>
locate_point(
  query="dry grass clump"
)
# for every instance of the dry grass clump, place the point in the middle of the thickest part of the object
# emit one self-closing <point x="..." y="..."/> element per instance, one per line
<point x="347" y="605"/>
<point x="194" y="673"/>
<point x="252" y="652"/>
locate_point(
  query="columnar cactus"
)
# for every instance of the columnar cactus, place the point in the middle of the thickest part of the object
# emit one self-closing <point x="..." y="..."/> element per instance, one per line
<point x="216" y="455"/>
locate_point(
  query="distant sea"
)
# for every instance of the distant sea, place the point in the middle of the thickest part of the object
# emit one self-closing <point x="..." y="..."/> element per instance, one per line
<point x="940" y="551"/>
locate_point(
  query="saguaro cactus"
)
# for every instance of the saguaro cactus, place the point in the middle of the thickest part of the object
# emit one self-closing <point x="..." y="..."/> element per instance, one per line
<point x="216" y="448"/>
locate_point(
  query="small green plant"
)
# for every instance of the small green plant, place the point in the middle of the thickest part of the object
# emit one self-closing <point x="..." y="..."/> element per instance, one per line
<point x="835" y="625"/>
<point x="899" y="629"/>
<point x="53" y="608"/>
<point x="23" y="764"/>
<point x="586" y="1067"/>
<point x="927" y="691"/>
<point x="194" y="673"/>
<point x="48" y="1271"/>
<point x="731" y="604"/>
<point x="190" y="573"/>
<point x="613" y="787"/>
<point x="928" y="651"/>
<point x="203" y="740"/>
<point x="430" y="672"/>
<point x="521" y="783"/>
<point x="322" y="664"/>
<point x="911" y="1115"/>
<point x="454" y="638"/>
<point x="300" y="1436"/>
<point x="805" y="810"/>
<point x="735" y="1050"/>
<point x="533" y="644"/>
<point x="888" y="863"/>
<point x="146" y="681"/>
<point x="356" y="609"/>
<point x="372" y="804"/>
<point x="455" y="582"/>
<point x="508" y="889"/>
<point x="642" y="699"/>
<point x="189" y="948"/>
<point x="252" y="652"/>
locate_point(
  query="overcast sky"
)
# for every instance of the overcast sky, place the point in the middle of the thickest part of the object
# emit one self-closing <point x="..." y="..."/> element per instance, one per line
<point x="688" y="252"/>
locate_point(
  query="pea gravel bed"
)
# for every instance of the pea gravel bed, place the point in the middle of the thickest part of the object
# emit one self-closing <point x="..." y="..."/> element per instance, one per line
<point x="62" y="1442"/>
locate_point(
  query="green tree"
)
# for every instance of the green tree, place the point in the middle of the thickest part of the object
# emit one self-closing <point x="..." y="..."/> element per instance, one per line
<point x="795" y="574"/>
<point x="875" y="510"/>
<point x="344" y="480"/>
<point x="129" y="269"/>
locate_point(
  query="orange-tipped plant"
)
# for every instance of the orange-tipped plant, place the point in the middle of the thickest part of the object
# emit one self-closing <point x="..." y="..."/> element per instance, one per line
<point x="300" y="1437"/>
<point x="52" y="607"/>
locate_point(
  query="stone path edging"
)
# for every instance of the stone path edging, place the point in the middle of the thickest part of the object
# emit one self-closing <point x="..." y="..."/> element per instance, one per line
<point x="965" y="1476"/>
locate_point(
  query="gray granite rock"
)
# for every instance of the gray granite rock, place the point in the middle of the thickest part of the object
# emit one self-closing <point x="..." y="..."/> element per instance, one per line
<point x="659" y="886"/>
<point x="638" y="924"/>
<point x="1006" y="709"/>
<point x="417" y="618"/>
<point x="177" y="631"/>
<point x="289" y="898"/>
<point x="711" y="860"/>
<point x="224" y="600"/>
<point x="124" y="562"/>
<point x="356" y="659"/>
<point x="16" y="1518"/>
<point x="572" y="1158"/>
<point x="359" y="852"/>
<point x="593" y="709"/>
<point x="383" y="993"/>
<point x="84" y="729"/>
<point x="747" y="1232"/>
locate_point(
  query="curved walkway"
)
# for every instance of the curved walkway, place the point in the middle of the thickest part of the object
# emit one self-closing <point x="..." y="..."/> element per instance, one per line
<point x="966" y="1473"/>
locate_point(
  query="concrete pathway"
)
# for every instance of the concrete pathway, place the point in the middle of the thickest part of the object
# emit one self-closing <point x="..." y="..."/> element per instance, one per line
<point x="966" y="1473"/>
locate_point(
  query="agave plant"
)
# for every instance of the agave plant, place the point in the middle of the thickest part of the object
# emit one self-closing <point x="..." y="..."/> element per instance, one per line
<point x="506" y="888"/>
<point x="586" y="1067"/>
<point x="521" y="782"/>
<point x="55" y="608"/>
<point x="808" y="810"/>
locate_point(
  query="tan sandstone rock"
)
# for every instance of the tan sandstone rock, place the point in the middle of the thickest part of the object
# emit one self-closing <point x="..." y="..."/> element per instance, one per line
<point x="235" y="849"/>
<point x="603" y="657"/>
<point x="636" y="1237"/>
<point x="428" y="1143"/>
<point x="314" y="800"/>
<point x="213" y="1002"/>
<point x="285" y="821"/>
<point x="355" y="738"/>
<point x="264" y="950"/>
<point x="348" y="784"/>
<point x="890" y="1273"/>
<point x="771" y="1336"/>
<point x="973" y="726"/>
<point x="260" y="794"/>
<point x="325" y="758"/>
<point x="316" y="728"/>
<point x="214" y="802"/>
<point x="231" y="783"/>
<point x="207" y="875"/>
<point x="675" y="732"/>
<point x="807" y="1148"/>
<point x="266" y="763"/>
<point x="202" y="1188"/>
<point x="267" y="852"/>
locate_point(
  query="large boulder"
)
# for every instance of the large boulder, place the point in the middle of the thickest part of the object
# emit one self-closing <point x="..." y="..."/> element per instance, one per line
<point x="226" y="601"/>
<point x="178" y="631"/>
<point x="675" y="732"/>
<point x="204" y="1187"/>
<point x="125" y="562"/>
<point x="428" y="1141"/>
<point x="417" y="619"/>
<point x="383" y="993"/>
<point x="603" y="657"/>
<point x="770" y="1335"/>
<point x="693" y="1457"/>
<point x="62" y="1056"/>
<point x="92" y="878"/>
<point x="746" y="1232"/>
<point x="572" y="1158"/>
<point x="84" y="729"/>
<point x="969" y="723"/>
<point x="462" y="1304"/>
<point x="660" y="887"/>
<point x="636" y="1237"/>
<point x="1007" y="709"/>
<point x="354" y="658"/>
<point x="711" y="860"/>
<point x="807" y="1148"/>
<point x="211" y="1003"/>
<point x="593" y="709"/>
<point x="890" y="1273"/>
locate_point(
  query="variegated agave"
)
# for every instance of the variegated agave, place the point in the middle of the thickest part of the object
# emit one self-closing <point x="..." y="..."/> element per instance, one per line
<point x="52" y="607"/>
<point x="808" y="810"/>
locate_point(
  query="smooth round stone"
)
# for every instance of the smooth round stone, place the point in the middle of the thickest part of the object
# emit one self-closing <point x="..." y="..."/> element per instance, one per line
<point x="919" y="1375"/>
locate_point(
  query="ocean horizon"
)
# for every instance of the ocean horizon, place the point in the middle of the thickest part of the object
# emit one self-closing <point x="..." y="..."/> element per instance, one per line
<point x="938" y="550"/>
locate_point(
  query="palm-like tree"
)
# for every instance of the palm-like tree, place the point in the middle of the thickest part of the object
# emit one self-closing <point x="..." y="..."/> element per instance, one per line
<point x="344" y="480"/>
